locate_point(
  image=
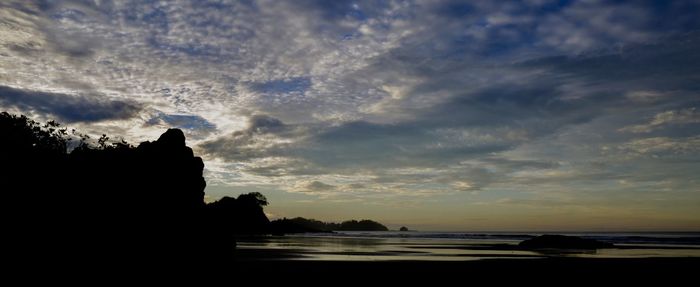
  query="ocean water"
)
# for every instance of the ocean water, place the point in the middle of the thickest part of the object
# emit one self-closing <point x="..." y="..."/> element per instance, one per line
<point x="461" y="246"/>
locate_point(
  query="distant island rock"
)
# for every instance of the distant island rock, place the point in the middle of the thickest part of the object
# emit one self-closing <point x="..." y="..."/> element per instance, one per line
<point x="563" y="242"/>
<point x="403" y="228"/>
<point x="303" y="225"/>
<point x="362" y="225"/>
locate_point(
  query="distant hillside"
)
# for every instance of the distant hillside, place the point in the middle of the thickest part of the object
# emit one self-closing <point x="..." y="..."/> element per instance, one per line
<point x="301" y="225"/>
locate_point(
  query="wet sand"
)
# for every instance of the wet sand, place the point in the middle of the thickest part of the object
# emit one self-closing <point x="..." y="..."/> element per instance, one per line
<point x="285" y="267"/>
<point x="368" y="263"/>
<point x="571" y="270"/>
<point x="253" y="266"/>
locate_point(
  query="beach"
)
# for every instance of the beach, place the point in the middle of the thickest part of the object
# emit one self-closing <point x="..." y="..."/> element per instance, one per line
<point x="484" y="256"/>
<point x="458" y="246"/>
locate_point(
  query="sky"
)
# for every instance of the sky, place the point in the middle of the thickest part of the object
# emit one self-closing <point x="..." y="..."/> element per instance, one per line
<point x="436" y="115"/>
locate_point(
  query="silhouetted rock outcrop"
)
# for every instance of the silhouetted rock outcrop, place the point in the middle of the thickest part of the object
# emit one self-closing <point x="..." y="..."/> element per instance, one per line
<point x="403" y="228"/>
<point x="563" y="242"/>
<point x="173" y="138"/>
<point x="175" y="173"/>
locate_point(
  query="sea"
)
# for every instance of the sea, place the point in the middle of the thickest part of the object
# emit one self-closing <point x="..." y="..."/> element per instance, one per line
<point x="462" y="246"/>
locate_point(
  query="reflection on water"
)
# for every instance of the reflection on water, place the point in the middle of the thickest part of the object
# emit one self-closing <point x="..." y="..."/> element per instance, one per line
<point x="375" y="249"/>
<point x="368" y="249"/>
<point x="646" y="251"/>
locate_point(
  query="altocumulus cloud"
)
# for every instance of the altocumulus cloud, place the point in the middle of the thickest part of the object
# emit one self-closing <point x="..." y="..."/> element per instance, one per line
<point x="391" y="97"/>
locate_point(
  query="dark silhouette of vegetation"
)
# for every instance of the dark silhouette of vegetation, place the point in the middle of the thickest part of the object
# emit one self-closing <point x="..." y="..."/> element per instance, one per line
<point x="362" y="225"/>
<point x="303" y="225"/>
<point x="242" y="215"/>
<point x="563" y="242"/>
<point x="105" y="202"/>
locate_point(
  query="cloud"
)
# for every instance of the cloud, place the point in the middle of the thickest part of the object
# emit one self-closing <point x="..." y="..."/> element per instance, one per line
<point x="586" y="25"/>
<point x="660" y="66"/>
<point x="358" y="145"/>
<point x="283" y="86"/>
<point x="192" y="122"/>
<point x="195" y="127"/>
<point x="314" y="187"/>
<point x="679" y="117"/>
<point x="70" y="108"/>
<point x="663" y="145"/>
<point x="265" y="136"/>
<point x="461" y="138"/>
<point x="74" y="45"/>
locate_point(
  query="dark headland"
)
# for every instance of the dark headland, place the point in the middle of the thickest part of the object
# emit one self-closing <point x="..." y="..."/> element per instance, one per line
<point x="103" y="201"/>
<point x="303" y="225"/>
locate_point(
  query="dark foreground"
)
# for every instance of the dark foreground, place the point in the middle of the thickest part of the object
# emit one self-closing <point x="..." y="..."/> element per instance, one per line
<point x="270" y="268"/>
<point x="571" y="270"/>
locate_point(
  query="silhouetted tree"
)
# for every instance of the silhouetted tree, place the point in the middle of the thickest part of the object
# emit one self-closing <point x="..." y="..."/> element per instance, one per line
<point x="254" y="198"/>
<point x="26" y="137"/>
<point x="101" y="203"/>
<point x="242" y="215"/>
